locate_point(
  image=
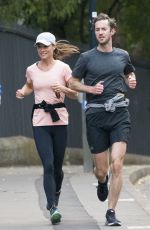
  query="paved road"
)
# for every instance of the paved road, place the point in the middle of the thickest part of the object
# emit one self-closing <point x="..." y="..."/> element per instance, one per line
<point x="22" y="201"/>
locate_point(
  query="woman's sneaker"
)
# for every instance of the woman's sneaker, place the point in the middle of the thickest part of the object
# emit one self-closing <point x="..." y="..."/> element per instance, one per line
<point x="55" y="215"/>
<point x="111" y="219"/>
<point x="102" y="190"/>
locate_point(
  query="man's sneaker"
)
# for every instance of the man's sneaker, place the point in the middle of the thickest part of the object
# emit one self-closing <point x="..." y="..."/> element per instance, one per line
<point x="111" y="219"/>
<point x="55" y="215"/>
<point x="102" y="190"/>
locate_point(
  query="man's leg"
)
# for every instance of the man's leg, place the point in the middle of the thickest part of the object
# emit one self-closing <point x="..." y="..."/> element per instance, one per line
<point x="101" y="161"/>
<point x="117" y="157"/>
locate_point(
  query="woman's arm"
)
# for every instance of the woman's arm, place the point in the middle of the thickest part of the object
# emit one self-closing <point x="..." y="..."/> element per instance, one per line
<point x="24" y="91"/>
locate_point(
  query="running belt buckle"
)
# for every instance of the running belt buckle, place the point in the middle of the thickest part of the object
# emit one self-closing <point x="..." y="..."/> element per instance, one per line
<point x="110" y="106"/>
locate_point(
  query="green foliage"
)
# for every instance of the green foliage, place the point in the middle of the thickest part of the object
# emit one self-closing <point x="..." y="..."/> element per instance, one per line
<point x="135" y="26"/>
<point x="69" y="19"/>
<point x="36" y="12"/>
<point x="61" y="9"/>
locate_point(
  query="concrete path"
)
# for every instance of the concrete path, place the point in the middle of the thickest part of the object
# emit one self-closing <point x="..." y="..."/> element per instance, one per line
<point x="22" y="201"/>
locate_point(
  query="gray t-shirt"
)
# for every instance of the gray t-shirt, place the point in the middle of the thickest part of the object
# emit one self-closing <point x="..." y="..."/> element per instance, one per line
<point x="94" y="66"/>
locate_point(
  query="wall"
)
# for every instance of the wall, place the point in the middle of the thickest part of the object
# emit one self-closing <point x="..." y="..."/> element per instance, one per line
<point x="17" y="52"/>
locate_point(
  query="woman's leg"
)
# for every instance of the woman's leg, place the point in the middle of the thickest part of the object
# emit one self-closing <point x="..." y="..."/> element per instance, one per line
<point x="59" y="146"/>
<point x="44" y="144"/>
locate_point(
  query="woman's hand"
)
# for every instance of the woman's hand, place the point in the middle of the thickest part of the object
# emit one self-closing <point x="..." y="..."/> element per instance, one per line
<point x="58" y="88"/>
<point x="24" y="91"/>
<point x="66" y="90"/>
<point x="19" y="94"/>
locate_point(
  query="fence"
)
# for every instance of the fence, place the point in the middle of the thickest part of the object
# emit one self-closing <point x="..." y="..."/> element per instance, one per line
<point x="17" y="52"/>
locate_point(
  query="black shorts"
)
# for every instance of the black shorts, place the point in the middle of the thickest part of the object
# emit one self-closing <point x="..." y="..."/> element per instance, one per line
<point x="105" y="128"/>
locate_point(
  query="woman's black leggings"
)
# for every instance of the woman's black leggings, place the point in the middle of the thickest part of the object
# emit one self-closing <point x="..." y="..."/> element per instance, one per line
<point x="51" y="143"/>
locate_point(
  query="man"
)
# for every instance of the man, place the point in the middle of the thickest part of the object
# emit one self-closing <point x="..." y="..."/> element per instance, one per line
<point x="106" y="72"/>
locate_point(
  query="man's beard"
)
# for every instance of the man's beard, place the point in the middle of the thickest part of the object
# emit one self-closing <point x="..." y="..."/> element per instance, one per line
<point x="105" y="42"/>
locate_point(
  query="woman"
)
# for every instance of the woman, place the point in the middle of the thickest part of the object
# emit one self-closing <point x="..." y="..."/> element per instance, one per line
<point x="48" y="79"/>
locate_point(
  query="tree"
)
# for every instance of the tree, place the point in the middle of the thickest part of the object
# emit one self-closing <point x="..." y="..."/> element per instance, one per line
<point x="135" y="21"/>
<point x="70" y="19"/>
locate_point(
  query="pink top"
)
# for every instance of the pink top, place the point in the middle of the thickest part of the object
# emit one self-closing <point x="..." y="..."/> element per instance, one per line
<point x="60" y="73"/>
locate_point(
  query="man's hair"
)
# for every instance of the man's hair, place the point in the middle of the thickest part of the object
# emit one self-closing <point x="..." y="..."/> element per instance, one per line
<point x="111" y="21"/>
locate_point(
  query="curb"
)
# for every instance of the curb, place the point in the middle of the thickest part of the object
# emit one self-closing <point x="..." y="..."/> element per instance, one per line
<point x="138" y="174"/>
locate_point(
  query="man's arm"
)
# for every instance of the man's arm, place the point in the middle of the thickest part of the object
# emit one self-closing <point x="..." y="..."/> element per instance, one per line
<point x="77" y="85"/>
<point x="58" y="88"/>
<point x="130" y="80"/>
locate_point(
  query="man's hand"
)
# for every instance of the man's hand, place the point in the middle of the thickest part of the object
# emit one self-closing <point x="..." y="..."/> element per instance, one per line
<point x="98" y="88"/>
<point x="132" y="81"/>
<point x="78" y="86"/>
